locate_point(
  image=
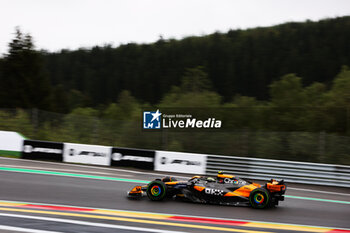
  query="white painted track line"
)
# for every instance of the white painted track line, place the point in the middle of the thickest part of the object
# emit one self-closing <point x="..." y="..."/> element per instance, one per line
<point x="21" y="229"/>
<point x="104" y="225"/>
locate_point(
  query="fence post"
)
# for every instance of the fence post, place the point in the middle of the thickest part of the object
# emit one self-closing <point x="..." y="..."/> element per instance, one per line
<point x="164" y="139"/>
<point x="348" y="120"/>
<point x="322" y="145"/>
<point x="95" y="131"/>
<point x="35" y="120"/>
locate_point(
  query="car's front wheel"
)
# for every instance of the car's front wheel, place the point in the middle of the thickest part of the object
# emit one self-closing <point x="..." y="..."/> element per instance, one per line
<point x="156" y="190"/>
<point x="259" y="198"/>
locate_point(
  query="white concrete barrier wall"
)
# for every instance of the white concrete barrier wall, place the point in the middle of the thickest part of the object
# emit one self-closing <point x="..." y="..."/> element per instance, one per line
<point x="87" y="154"/>
<point x="190" y="163"/>
<point x="10" y="142"/>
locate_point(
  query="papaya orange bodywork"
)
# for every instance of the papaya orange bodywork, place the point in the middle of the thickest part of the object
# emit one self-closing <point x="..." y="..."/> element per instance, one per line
<point x="198" y="188"/>
<point x="225" y="176"/>
<point x="272" y="187"/>
<point x="230" y="194"/>
<point x="136" y="189"/>
<point x="171" y="183"/>
<point x="245" y="190"/>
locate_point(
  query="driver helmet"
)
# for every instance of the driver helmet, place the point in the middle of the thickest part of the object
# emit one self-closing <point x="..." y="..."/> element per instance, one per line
<point x="210" y="179"/>
<point x="220" y="179"/>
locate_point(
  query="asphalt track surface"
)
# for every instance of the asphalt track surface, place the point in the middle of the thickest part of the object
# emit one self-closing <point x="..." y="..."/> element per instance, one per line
<point x="304" y="205"/>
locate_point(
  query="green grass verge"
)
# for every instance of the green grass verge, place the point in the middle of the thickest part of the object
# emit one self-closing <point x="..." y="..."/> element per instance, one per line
<point x="11" y="154"/>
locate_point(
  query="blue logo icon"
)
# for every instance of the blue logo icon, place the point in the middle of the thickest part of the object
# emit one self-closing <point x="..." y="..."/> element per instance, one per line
<point x="151" y="120"/>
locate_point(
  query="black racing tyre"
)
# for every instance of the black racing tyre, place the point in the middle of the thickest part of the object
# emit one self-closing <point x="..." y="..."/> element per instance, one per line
<point x="156" y="190"/>
<point x="259" y="198"/>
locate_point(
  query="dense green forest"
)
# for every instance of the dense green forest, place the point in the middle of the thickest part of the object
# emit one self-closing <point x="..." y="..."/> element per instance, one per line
<point x="284" y="91"/>
<point x="239" y="62"/>
<point x="243" y="62"/>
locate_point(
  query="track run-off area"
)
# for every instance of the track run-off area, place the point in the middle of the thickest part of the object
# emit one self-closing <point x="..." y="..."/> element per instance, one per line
<point x="37" y="196"/>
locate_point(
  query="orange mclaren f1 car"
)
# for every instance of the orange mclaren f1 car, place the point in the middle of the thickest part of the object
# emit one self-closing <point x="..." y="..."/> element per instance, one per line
<point x="222" y="189"/>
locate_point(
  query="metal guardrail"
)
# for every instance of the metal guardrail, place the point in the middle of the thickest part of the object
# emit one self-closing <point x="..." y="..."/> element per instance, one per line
<point x="290" y="171"/>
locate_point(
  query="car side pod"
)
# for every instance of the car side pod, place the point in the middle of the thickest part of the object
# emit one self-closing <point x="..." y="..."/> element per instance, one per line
<point x="135" y="192"/>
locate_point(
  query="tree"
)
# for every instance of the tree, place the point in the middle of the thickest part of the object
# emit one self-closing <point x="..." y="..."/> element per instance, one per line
<point x="287" y="92"/>
<point x="23" y="82"/>
<point x="194" y="91"/>
<point x="124" y="110"/>
<point x="81" y="124"/>
<point x="195" y="80"/>
<point x="288" y="102"/>
<point x="340" y="92"/>
<point x="60" y="99"/>
<point x="338" y="102"/>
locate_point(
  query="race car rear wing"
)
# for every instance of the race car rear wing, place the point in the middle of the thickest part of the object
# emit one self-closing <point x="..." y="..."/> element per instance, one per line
<point x="276" y="186"/>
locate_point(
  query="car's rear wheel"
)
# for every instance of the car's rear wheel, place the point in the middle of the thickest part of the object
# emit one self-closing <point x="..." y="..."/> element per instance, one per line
<point x="259" y="198"/>
<point x="156" y="190"/>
